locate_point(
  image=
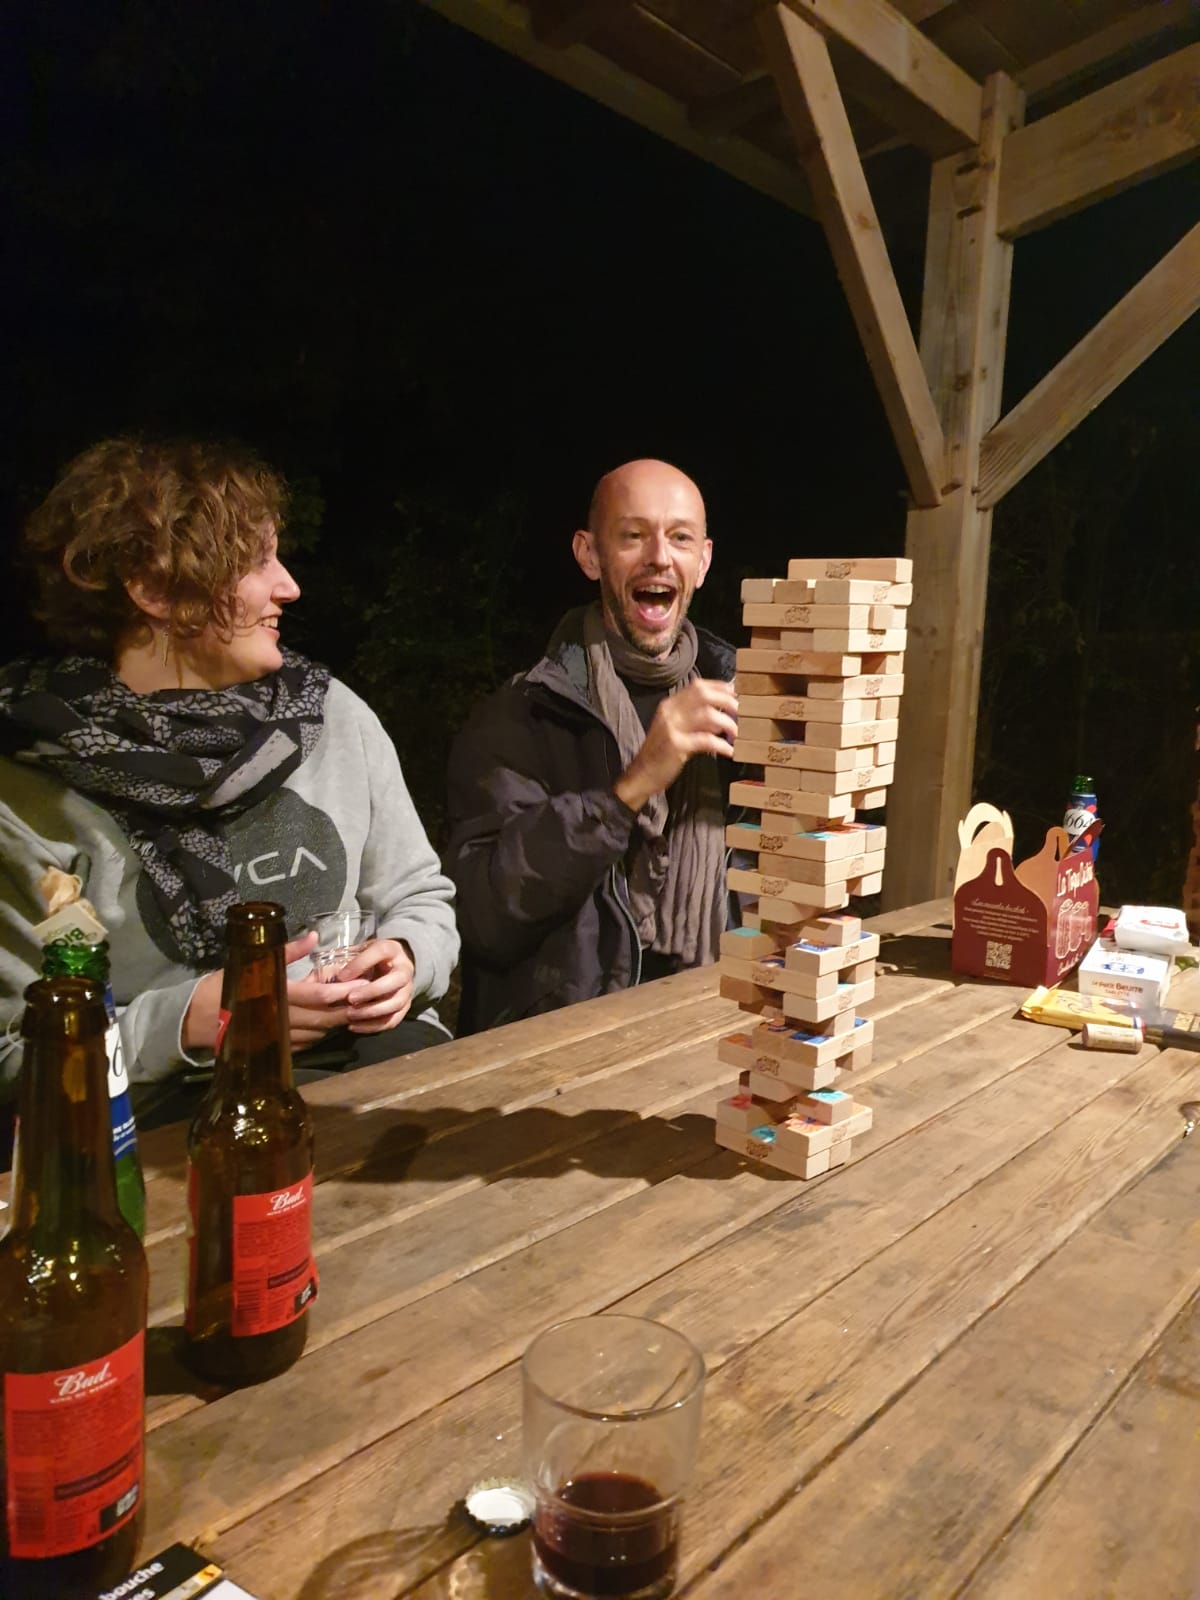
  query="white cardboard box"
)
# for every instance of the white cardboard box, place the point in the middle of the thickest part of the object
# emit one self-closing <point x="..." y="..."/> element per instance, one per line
<point x="1137" y="978"/>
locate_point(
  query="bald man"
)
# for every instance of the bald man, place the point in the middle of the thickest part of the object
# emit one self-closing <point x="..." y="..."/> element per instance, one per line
<point x="587" y="796"/>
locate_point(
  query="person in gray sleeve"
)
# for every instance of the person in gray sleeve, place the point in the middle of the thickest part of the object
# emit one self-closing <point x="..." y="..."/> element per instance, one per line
<point x="177" y="758"/>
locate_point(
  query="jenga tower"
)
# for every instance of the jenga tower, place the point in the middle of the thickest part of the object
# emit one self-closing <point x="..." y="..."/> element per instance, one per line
<point x="818" y="701"/>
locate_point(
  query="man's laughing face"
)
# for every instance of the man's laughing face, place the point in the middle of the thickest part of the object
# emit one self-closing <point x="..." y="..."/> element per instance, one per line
<point x="647" y="546"/>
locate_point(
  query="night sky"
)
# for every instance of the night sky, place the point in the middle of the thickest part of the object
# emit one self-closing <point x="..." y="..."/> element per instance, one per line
<point x="444" y="293"/>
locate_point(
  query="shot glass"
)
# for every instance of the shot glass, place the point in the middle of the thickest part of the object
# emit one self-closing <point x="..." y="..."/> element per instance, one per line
<point x="340" y="937"/>
<point x="611" y="1418"/>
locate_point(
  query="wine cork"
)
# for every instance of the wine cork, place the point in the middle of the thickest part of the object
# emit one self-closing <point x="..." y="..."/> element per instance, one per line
<point x="1101" y="1036"/>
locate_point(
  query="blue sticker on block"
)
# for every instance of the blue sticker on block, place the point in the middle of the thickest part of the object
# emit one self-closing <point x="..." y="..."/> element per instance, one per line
<point x="860" y="1022"/>
<point x="765" y="1134"/>
<point x="828" y="1096"/>
<point x="744" y="933"/>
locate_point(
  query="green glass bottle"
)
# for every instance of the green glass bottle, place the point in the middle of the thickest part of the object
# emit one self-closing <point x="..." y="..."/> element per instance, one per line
<point x="77" y="959"/>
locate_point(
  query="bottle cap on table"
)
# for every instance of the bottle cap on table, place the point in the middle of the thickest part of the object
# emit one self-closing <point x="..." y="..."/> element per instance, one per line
<point x="500" y="1505"/>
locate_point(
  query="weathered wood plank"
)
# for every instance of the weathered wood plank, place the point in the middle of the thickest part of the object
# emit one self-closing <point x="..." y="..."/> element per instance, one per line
<point x="899" y="50"/>
<point x="1135" y="327"/>
<point x="923" y="1494"/>
<point x="1119" y="1519"/>
<point x="779" y="1408"/>
<point x="964" y="323"/>
<point x="798" y="59"/>
<point x="718" y="1295"/>
<point x="1141" y="125"/>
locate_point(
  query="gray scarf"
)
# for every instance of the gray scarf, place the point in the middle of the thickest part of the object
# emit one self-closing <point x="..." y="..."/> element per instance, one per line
<point x="676" y="865"/>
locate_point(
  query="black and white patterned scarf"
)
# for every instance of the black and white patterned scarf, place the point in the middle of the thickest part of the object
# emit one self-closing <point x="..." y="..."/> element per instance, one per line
<point x="172" y="767"/>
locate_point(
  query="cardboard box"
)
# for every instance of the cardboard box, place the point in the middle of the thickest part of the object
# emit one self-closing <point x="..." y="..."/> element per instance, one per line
<point x="1133" y="976"/>
<point x="1030" y="924"/>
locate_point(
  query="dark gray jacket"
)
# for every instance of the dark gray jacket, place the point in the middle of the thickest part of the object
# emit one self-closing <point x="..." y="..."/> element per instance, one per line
<point x="538" y="841"/>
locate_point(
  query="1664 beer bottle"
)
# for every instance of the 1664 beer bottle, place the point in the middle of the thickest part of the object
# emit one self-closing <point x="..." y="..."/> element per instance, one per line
<point x="73" y="1288"/>
<point x="250" y="1174"/>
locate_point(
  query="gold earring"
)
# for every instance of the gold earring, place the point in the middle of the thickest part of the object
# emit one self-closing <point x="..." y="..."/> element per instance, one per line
<point x="166" y="645"/>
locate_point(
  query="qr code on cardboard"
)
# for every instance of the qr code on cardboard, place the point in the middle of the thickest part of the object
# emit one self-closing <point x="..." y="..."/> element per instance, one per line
<point x="998" y="955"/>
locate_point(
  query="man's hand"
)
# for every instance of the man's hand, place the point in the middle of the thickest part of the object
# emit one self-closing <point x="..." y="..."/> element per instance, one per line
<point x="699" y="720"/>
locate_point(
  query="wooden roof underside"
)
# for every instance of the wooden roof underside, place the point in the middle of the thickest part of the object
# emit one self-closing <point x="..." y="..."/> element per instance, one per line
<point x="692" y="70"/>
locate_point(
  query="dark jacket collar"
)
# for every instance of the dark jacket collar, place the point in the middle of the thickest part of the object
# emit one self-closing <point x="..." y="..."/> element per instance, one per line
<point x="563" y="668"/>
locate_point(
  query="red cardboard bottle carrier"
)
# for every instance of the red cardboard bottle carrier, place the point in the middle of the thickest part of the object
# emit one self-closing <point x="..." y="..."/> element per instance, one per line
<point x="1030" y="924"/>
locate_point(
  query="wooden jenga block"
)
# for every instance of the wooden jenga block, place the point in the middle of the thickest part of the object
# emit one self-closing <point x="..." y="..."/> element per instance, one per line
<point x="847" y="781"/>
<point x="834" y="930"/>
<point x="796" y="638"/>
<point x="793" y="778"/>
<point x="859" y="688"/>
<point x="885" y="754"/>
<point x="878" y="569"/>
<point x="764" y="638"/>
<point x="858" y="640"/>
<point x="845" y="617"/>
<point x="834" y="842"/>
<point x="745" y="1144"/>
<point x="826" y="1105"/>
<point x="772" y="886"/>
<point x="882" y="663"/>
<point x="771" y="973"/>
<point x="860" y="591"/>
<point x="773" y="1092"/>
<point x="777" y="591"/>
<point x="746" y="1053"/>
<point x="750" y="997"/>
<point x="754" y="793"/>
<point x="870" y="884"/>
<point x="850" y="734"/>
<point x="801" y="662"/>
<point x="777" y="616"/>
<point x="844" y="1001"/>
<point x="857" y="1059"/>
<point x="751" y="944"/>
<point x="742" y="1111"/>
<point x="803" y="869"/>
<point x="868" y="799"/>
<point x="885" y="617"/>
<point x="802" y="957"/>
<point x="860" y="971"/>
<point x="785" y="752"/>
<point x="758" y="683"/>
<point x="792" y="1047"/>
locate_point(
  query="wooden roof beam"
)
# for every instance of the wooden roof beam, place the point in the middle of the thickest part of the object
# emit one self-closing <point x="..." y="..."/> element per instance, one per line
<point x="1107" y="45"/>
<point x="1133" y="129"/>
<point x="564" y="22"/>
<point x="799" y="62"/>
<point x="1118" y="344"/>
<point x="944" y="103"/>
<point x="720" y="114"/>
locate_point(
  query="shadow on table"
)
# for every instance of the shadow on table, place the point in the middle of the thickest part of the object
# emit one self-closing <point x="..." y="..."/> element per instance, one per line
<point x="925" y="955"/>
<point x="447" y="1143"/>
<point x="493" y="1569"/>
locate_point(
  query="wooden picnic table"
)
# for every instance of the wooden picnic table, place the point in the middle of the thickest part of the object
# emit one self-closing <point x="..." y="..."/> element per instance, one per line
<point x="966" y="1364"/>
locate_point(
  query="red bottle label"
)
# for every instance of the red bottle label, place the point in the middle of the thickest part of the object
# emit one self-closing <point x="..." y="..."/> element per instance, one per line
<point x="223" y="1017"/>
<point x="73" y="1442"/>
<point x="274" y="1274"/>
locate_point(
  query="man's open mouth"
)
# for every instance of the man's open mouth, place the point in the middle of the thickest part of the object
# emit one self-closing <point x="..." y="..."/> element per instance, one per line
<point x="654" y="603"/>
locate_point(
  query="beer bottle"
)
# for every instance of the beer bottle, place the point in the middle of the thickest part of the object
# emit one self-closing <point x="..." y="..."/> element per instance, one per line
<point x="66" y="958"/>
<point x="251" y="1275"/>
<point x="73" y="1288"/>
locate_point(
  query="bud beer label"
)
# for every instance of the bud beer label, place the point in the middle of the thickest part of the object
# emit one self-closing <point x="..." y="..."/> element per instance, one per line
<point x="73" y="1441"/>
<point x="274" y="1274"/>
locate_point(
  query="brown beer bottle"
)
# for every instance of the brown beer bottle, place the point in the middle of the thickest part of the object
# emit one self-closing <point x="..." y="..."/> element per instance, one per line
<point x="73" y="1287"/>
<point x="250" y="1163"/>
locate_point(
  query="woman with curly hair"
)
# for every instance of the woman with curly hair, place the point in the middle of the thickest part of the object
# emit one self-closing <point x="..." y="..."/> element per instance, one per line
<point x="178" y="758"/>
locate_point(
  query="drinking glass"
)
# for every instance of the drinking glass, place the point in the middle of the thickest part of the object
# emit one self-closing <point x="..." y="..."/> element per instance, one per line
<point x="340" y="937"/>
<point x="611" y="1417"/>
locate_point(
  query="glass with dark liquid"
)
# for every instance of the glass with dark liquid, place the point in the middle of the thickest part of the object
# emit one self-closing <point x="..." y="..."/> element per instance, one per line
<point x="611" y="1420"/>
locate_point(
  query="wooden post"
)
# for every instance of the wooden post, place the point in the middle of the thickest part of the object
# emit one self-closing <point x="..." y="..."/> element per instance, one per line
<point x="964" y="323"/>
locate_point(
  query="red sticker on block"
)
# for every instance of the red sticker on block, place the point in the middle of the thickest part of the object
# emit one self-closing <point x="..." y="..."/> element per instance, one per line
<point x="274" y="1274"/>
<point x="74" y="1442"/>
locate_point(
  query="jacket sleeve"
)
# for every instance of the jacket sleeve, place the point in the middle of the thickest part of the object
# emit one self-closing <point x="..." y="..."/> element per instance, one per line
<point x="522" y="858"/>
<point x="400" y="876"/>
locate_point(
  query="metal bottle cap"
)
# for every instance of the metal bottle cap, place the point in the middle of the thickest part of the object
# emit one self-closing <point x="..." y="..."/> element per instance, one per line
<point x="500" y="1505"/>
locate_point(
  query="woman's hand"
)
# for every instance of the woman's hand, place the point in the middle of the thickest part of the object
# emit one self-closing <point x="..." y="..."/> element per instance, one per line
<point x="384" y="998"/>
<point x="310" y="1015"/>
